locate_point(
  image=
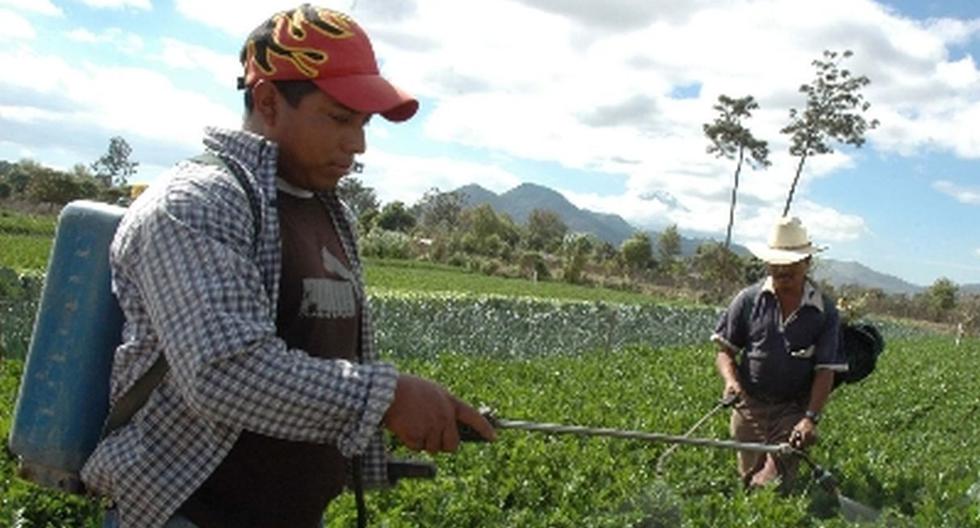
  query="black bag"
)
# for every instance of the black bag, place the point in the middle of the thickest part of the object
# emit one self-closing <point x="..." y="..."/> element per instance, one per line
<point x="861" y="344"/>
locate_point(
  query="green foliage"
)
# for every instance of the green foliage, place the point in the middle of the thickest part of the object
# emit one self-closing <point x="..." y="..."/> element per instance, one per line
<point x="942" y="295"/>
<point x="440" y="212"/>
<point x="395" y="217"/>
<point x="114" y="167"/>
<point x="357" y="196"/>
<point x="25" y="240"/>
<point x="720" y="270"/>
<point x="898" y="448"/>
<point x="545" y="230"/>
<point x="834" y="112"/>
<point x="382" y="243"/>
<point x="638" y="252"/>
<point x="19" y="296"/>
<point x="669" y="243"/>
<point x="487" y="233"/>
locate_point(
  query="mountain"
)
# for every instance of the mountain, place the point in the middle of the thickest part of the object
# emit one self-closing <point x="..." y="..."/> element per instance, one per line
<point x="842" y="273"/>
<point x="521" y="200"/>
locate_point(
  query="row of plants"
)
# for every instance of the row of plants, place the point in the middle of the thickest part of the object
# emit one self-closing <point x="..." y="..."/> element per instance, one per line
<point x="425" y="323"/>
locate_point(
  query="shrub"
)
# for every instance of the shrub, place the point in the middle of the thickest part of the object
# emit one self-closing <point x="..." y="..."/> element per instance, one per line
<point x="382" y="243"/>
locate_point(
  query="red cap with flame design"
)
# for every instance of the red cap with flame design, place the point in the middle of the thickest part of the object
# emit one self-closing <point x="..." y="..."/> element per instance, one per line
<point x="331" y="50"/>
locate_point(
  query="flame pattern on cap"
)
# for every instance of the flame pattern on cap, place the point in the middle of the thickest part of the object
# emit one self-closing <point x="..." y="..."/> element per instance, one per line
<point x="290" y="39"/>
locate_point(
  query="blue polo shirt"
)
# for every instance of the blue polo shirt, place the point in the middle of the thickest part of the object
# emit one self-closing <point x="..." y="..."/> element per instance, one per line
<point x="777" y="358"/>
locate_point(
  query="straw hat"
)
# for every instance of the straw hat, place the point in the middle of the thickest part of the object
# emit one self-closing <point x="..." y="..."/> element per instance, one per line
<point x="788" y="243"/>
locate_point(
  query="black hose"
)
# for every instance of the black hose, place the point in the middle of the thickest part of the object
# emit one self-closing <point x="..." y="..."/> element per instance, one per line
<point x="358" y="474"/>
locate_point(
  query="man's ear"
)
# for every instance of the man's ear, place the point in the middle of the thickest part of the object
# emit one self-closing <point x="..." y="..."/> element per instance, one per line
<point x="265" y="103"/>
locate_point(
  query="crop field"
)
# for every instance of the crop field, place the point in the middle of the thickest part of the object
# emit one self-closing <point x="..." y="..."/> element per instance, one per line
<point x="25" y="239"/>
<point x="906" y="441"/>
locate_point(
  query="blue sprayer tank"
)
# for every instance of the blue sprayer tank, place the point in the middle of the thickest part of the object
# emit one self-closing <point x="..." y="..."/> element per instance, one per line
<point x="64" y="394"/>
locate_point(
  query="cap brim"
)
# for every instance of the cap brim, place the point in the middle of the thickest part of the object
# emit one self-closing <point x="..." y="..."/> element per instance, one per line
<point x="371" y="94"/>
<point x="782" y="256"/>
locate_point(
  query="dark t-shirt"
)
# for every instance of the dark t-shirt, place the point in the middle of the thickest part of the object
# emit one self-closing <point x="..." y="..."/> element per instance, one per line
<point x="270" y="482"/>
<point x="777" y="358"/>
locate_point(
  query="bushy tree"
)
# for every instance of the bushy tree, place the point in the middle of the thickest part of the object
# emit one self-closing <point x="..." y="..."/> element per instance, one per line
<point x="440" y="212"/>
<point x="545" y="230"/>
<point x="719" y="268"/>
<point x="54" y="187"/>
<point x="359" y="197"/>
<point x="637" y="252"/>
<point x="941" y="297"/>
<point x="834" y="111"/>
<point x="730" y="139"/>
<point x="395" y="217"/>
<point x="114" y="167"/>
<point x="487" y="233"/>
<point x="576" y="248"/>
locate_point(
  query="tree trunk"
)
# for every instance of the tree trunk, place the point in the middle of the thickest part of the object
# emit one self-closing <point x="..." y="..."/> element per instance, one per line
<point x="731" y="211"/>
<point x="796" y="179"/>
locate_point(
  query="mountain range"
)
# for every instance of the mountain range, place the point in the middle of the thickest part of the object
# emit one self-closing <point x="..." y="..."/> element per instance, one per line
<point x="521" y="200"/>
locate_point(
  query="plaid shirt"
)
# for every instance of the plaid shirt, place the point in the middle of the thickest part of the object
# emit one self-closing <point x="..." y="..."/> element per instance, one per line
<point x="196" y="287"/>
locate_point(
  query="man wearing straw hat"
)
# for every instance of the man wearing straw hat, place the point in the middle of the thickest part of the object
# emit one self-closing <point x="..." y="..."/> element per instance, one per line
<point x="778" y="351"/>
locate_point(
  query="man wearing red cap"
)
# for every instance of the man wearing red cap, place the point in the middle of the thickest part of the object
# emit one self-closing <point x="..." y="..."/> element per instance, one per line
<point x="240" y="281"/>
<point x="778" y="351"/>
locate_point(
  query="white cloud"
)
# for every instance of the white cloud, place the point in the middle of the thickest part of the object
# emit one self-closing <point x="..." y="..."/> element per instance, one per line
<point x="15" y="27"/>
<point x="125" y="41"/>
<point x="119" y="4"/>
<point x="42" y="7"/>
<point x="966" y="195"/>
<point x="222" y="67"/>
<point x="52" y="94"/>
<point x="237" y="17"/>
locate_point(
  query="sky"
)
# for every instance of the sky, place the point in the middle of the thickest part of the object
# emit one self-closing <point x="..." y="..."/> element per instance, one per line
<point x="602" y="101"/>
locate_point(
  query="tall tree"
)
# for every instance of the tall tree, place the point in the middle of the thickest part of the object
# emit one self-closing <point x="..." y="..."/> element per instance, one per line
<point x="359" y="197"/>
<point x="115" y="167"/>
<point x="730" y="138"/>
<point x="834" y="108"/>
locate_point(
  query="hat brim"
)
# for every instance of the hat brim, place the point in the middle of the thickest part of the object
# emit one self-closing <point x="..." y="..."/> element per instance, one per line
<point x="782" y="256"/>
<point x="370" y="93"/>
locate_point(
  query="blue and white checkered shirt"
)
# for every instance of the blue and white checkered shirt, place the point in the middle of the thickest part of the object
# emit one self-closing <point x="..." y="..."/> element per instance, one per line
<point x="196" y="287"/>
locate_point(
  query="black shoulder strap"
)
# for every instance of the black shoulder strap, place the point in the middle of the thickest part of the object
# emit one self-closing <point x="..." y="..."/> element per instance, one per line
<point x="134" y="399"/>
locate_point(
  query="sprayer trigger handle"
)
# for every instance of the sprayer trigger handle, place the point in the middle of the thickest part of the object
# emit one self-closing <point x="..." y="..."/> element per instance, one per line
<point x="730" y="400"/>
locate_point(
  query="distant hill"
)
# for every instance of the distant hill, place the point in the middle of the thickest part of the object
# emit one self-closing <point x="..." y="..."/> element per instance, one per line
<point x="521" y="200"/>
<point x="842" y="273"/>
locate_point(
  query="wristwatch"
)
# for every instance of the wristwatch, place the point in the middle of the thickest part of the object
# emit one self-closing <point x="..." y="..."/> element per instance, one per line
<point x="814" y="416"/>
